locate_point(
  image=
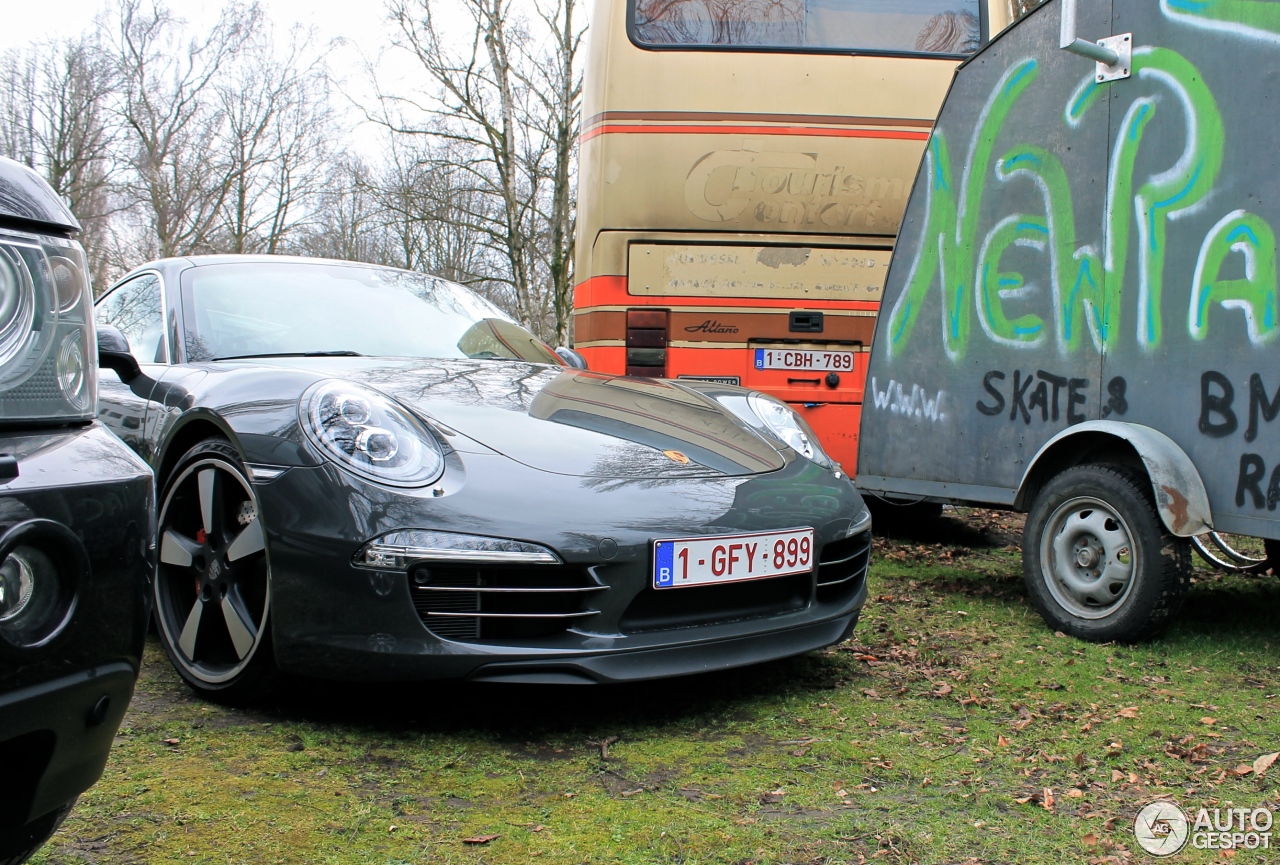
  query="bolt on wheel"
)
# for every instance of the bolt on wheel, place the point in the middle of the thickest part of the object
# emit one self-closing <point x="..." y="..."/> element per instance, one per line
<point x="1089" y="556"/>
<point x="212" y="583"/>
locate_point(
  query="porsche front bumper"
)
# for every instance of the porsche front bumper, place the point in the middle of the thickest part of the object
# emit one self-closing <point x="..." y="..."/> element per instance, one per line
<point x="594" y="617"/>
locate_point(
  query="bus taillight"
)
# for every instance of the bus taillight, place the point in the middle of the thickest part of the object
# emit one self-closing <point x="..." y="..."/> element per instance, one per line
<point x="647" y="342"/>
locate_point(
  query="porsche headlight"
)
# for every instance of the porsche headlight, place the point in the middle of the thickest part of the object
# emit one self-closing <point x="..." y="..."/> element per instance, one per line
<point x="48" y="357"/>
<point x="370" y="434"/>
<point x="782" y="422"/>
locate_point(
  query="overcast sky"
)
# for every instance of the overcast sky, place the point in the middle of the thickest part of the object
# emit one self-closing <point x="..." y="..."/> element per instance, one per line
<point x="362" y="22"/>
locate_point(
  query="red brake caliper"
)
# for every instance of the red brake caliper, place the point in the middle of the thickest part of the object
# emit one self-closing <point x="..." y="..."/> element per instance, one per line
<point x="201" y="537"/>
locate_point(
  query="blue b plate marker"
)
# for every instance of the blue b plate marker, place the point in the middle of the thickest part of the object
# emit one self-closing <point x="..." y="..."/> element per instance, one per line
<point x="759" y="358"/>
<point x="663" y="568"/>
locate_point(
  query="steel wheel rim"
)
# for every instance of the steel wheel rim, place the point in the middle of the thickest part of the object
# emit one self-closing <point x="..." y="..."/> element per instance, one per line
<point x="1088" y="558"/>
<point x="212" y="587"/>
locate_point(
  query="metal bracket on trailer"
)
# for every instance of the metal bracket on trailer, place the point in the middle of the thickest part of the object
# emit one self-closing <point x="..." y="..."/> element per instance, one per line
<point x="1180" y="494"/>
<point x="1114" y="54"/>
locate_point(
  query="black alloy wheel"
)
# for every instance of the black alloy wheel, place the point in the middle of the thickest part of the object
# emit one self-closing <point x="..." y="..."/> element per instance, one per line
<point x="213" y="581"/>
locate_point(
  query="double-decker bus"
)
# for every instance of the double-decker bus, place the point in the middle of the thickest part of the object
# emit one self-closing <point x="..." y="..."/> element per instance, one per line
<point x="744" y="169"/>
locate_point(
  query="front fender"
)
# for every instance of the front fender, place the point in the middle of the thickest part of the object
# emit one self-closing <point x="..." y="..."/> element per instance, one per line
<point x="258" y="413"/>
<point x="1179" y="492"/>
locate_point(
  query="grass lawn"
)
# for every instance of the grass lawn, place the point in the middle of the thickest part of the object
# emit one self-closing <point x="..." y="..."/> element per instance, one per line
<point x="953" y="728"/>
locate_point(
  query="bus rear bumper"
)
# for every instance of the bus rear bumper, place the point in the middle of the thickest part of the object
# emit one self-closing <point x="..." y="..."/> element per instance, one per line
<point x="837" y="427"/>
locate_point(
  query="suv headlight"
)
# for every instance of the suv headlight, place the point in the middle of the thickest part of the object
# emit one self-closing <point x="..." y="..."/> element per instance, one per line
<point x="783" y="423"/>
<point x="370" y="434"/>
<point x="48" y="355"/>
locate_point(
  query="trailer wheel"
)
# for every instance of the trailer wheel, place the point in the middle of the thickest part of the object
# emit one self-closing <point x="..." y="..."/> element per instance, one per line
<point x="1098" y="562"/>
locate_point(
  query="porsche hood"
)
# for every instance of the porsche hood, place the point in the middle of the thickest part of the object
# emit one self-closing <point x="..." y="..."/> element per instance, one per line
<point x="573" y="422"/>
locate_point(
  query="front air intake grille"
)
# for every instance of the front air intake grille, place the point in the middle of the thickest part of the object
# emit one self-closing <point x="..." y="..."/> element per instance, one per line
<point x="665" y="609"/>
<point x="502" y="602"/>
<point x="842" y="568"/>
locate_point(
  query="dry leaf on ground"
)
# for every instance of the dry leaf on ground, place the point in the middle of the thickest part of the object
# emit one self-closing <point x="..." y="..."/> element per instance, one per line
<point x="479" y="839"/>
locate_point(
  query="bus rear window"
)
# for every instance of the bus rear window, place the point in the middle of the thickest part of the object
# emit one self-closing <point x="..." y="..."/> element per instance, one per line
<point x="891" y="26"/>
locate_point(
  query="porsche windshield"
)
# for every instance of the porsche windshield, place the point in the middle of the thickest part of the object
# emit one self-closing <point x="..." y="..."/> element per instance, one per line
<point x="291" y="308"/>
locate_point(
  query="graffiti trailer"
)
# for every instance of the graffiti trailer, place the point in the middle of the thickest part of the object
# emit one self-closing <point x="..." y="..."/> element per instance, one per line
<point x="1080" y="319"/>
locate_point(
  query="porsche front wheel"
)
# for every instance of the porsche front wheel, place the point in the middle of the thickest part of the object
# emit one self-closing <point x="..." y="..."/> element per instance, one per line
<point x="213" y="580"/>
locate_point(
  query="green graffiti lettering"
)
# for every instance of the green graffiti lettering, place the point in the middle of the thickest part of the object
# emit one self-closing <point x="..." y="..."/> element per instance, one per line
<point x="1177" y="189"/>
<point x="1076" y="274"/>
<point x="1259" y="18"/>
<point x="1255" y="294"/>
<point x="1087" y="285"/>
<point x="946" y="248"/>
<point x="994" y="285"/>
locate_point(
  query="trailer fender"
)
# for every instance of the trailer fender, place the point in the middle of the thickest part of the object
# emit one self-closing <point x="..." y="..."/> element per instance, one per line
<point x="1179" y="492"/>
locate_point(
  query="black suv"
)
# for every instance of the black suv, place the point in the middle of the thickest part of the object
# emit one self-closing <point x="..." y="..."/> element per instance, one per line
<point x="77" y="527"/>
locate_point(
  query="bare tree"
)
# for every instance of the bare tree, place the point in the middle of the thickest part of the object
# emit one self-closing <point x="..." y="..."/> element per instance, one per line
<point x="56" y="104"/>
<point x="485" y="95"/>
<point x="168" y="142"/>
<point x="346" y="222"/>
<point x="431" y="208"/>
<point x="17" y="106"/>
<point x="557" y="83"/>
<point x="175" y="131"/>
<point x="278" y="118"/>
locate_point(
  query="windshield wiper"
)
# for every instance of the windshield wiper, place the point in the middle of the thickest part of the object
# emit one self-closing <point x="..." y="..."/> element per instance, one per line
<point x="339" y="353"/>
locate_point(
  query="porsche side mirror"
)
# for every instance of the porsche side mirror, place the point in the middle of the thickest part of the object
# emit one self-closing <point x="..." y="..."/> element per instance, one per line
<point x="571" y="358"/>
<point x="113" y="353"/>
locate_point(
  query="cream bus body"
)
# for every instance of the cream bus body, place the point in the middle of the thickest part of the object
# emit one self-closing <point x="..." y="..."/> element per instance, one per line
<point x="748" y="198"/>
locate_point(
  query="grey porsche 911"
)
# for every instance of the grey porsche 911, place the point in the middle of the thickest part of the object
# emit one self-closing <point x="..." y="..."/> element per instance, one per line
<point x="366" y="473"/>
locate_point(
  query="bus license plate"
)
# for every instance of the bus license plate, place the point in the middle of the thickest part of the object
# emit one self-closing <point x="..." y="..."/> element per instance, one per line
<point x="804" y="359"/>
<point x="731" y="558"/>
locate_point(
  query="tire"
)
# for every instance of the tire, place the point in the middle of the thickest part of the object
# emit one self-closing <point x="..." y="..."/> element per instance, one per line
<point x="1098" y="562"/>
<point x="17" y="845"/>
<point x="213" y="578"/>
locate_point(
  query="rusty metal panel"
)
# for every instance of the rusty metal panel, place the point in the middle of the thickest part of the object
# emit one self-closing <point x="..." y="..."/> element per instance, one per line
<point x="721" y="270"/>
<point x="1081" y="251"/>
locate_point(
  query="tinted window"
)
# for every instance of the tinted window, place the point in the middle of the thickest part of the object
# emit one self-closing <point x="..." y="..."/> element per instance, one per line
<point x="931" y="26"/>
<point x="294" y="308"/>
<point x="135" y="309"/>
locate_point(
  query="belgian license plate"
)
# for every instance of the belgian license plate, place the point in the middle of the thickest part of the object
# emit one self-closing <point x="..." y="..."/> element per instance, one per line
<point x="805" y="359"/>
<point x="731" y="558"/>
